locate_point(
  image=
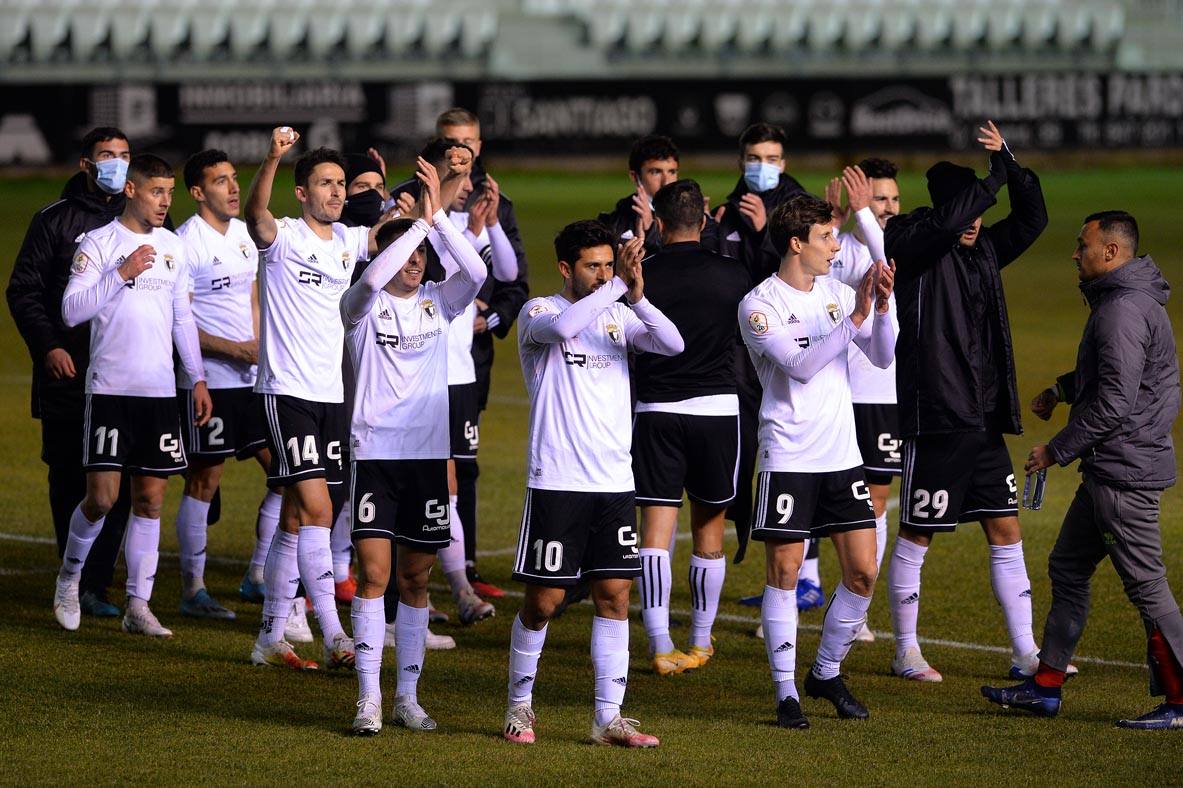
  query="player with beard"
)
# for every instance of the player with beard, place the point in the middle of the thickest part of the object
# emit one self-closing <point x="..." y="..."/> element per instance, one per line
<point x="579" y="519"/>
<point x="130" y="279"/>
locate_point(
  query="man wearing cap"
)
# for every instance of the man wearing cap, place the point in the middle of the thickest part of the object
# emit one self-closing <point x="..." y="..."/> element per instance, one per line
<point x="955" y="380"/>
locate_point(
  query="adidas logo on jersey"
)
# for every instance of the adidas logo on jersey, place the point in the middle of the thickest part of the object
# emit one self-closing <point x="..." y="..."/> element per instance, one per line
<point x="216" y="261"/>
<point x="911" y="599"/>
<point x="412" y="669"/>
<point x="384" y="314"/>
<point x="792" y="319"/>
<point x="312" y="259"/>
<point x="783" y="647"/>
<point x="621" y="680"/>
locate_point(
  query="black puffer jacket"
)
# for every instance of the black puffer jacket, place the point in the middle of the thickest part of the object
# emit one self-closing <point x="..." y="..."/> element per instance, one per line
<point x="955" y="367"/>
<point x="1125" y="388"/>
<point x="38" y="281"/>
<point x="737" y="238"/>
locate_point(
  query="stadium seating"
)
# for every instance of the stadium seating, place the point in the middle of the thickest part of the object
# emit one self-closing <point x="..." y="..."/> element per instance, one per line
<point x="248" y="31"/>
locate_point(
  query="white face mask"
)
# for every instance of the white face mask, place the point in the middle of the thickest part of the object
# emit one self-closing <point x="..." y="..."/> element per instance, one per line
<point x="111" y="175"/>
<point x="761" y="176"/>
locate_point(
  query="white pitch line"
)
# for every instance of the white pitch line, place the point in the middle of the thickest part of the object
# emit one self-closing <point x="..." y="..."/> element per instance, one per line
<point x="728" y="617"/>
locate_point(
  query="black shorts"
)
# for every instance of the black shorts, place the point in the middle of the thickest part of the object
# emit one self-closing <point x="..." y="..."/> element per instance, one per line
<point x="137" y="434"/>
<point x="877" y="428"/>
<point x="956" y="478"/>
<point x="464" y="418"/>
<point x="305" y="439"/>
<point x="403" y="500"/>
<point x="235" y="428"/>
<point x="674" y="452"/>
<point x="568" y="535"/>
<point x="792" y="506"/>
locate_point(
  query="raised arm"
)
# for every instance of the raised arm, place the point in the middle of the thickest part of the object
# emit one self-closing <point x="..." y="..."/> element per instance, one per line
<point x="90" y="288"/>
<point x="878" y="344"/>
<point x="359" y="299"/>
<point x="547" y="327"/>
<point x="1028" y="213"/>
<point x="259" y="221"/>
<point x="462" y="285"/>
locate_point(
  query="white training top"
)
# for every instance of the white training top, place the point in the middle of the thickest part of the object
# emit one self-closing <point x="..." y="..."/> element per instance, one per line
<point x="221" y="281"/>
<point x="575" y="361"/>
<point x="868" y="383"/>
<point x="301" y="336"/>
<point x="399" y="350"/>
<point x="798" y="344"/>
<point x="133" y="324"/>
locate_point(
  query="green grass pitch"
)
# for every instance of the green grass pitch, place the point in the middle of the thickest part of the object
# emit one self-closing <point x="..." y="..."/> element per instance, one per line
<point x="98" y="706"/>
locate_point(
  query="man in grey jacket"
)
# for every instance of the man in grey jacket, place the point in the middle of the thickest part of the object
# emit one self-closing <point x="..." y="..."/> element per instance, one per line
<point x="1125" y="396"/>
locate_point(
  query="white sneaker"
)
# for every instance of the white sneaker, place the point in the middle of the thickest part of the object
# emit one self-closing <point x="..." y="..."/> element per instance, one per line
<point x="66" y="608"/>
<point x="296" y="630"/>
<point x="339" y="653"/>
<point x="433" y="642"/>
<point x="369" y="717"/>
<point x="473" y="608"/>
<point x="409" y="714"/>
<point x="140" y="621"/>
<point x="1024" y="666"/>
<point x="912" y="666"/>
<point x="865" y="635"/>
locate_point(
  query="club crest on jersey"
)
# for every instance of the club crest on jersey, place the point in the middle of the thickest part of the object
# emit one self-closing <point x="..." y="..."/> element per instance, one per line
<point x="246" y="251"/>
<point x="169" y="262"/>
<point x="80" y="262"/>
<point x="536" y="310"/>
<point x="613" y="332"/>
<point x="759" y="322"/>
<point x="344" y="259"/>
<point x="834" y="313"/>
<point x="429" y="308"/>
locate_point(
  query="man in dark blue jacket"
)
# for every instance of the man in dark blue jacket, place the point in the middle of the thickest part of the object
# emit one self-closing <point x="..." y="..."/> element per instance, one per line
<point x="955" y="381"/>
<point x="91" y="199"/>
<point x="1124" y="395"/>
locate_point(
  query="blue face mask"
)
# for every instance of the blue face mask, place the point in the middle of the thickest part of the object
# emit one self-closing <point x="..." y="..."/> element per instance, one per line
<point x="110" y="175"/>
<point x="761" y="176"/>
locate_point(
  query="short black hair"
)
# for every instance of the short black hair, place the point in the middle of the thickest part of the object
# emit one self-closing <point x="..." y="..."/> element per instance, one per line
<point x="309" y="161"/>
<point x="1117" y="223"/>
<point x="879" y="168"/>
<point x="654" y="147"/>
<point x="762" y="132"/>
<point x="679" y="205"/>
<point x="584" y="234"/>
<point x="792" y="219"/>
<point x="436" y="151"/>
<point x="392" y="231"/>
<point x="145" y="166"/>
<point x="194" y="171"/>
<point x="100" y="134"/>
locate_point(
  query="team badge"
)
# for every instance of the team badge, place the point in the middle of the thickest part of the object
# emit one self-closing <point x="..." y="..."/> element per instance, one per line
<point x="344" y="259"/>
<point x="79" y="264"/>
<point x="169" y="262"/>
<point x="614" y="332"/>
<point x="246" y="254"/>
<point x="834" y="313"/>
<point x="429" y="308"/>
<point x="536" y="310"/>
<point x="758" y="322"/>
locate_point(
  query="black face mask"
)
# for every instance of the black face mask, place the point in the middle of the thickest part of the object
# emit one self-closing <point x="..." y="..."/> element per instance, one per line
<point x="363" y="209"/>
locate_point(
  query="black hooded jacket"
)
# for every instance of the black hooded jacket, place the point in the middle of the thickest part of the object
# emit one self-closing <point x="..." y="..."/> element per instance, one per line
<point x="737" y="239"/>
<point x="955" y="368"/>
<point x="1125" y="388"/>
<point x="622" y="221"/>
<point x="39" y="278"/>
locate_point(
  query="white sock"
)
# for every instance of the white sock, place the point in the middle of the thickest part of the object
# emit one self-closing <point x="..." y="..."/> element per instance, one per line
<point x="903" y="592"/>
<point x="410" y="637"/>
<point x="1012" y="589"/>
<point x="609" y="653"/>
<point x="369" y="632"/>
<point x="655" y="598"/>
<point x="451" y="558"/>
<point x="525" y="647"/>
<point x="706" y="584"/>
<point x="280" y="579"/>
<point x="809" y="568"/>
<point x="844" y="618"/>
<point x="82" y="535"/>
<point x="340" y="542"/>
<point x="191" y="537"/>
<point x="141" y="552"/>
<point x="316" y="570"/>
<point x="778" y="613"/>
<point x="265" y="526"/>
<point x="880" y="539"/>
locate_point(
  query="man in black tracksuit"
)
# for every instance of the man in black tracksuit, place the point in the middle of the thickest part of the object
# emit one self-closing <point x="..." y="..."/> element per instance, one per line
<point x="955" y="379"/>
<point x="1124" y="395"/>
<point x="91" y="199"/>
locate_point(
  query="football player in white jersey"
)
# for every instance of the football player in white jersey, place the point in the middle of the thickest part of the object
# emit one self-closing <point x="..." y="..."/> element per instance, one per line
<point x="797" y="325"/>
<point x="130" y="280"/>
<point x="225" y="306"/>
<point x="579" y="512"/>
<point x="397" y="337"/>
<point x="307" y="265"/>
